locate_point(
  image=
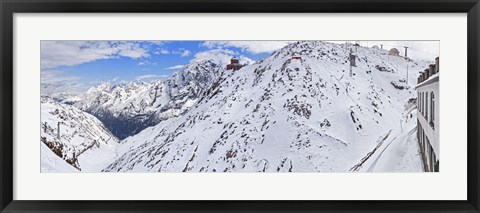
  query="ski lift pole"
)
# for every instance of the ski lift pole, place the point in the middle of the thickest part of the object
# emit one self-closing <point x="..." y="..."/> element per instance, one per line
<point x="350" y="56"/>
<point x="58" y="130"/>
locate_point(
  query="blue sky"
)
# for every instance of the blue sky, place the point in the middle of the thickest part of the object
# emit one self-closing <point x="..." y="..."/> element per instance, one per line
<point x="75" y="66"/>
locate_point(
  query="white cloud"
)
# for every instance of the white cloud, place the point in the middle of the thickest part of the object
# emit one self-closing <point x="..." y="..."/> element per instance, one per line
<point x="158" y="43"/>
<point x="245" y="60"/>
<point x="131" y="50"/>
<point x="180" y="66"/>
<point x="218" y="56"/>
<point x="185" y="53"/>
<point x="162" y="51"/>
<point x="150" y="77"/>
<point x="71" y="53"/>
<point x="181" y="51"/>
<point x="143" y="63"/>
<point x="221" y="56"/>
<point x="254" y="47"/>
<point x="54" y="76"/>
<point x="56" y="81"/>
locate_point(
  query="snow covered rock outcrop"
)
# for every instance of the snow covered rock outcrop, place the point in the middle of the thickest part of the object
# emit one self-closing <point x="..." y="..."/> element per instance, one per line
<point x="281" y="114"/>
<point x="128" y="108"/>
<point x="73" y="140"/>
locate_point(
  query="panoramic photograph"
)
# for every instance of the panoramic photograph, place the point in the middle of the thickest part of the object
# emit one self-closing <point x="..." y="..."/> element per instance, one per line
<point x="239" y="106"/>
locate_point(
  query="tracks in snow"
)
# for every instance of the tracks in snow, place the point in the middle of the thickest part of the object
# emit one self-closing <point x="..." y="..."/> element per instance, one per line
<point x="380" y="141"/>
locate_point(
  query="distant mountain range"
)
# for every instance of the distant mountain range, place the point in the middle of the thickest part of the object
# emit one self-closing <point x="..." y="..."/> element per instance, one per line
<point x="128" y="108"/>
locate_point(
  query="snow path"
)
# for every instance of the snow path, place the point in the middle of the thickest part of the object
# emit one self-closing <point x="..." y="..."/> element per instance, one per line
<point x="401" y="154"/>
<point x="380" y="142"/>
<point x="370" y="169"/>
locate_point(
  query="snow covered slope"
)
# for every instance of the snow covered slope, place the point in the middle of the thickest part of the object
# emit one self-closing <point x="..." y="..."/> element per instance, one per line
<point x="50" y="162"/>
<point x="282" y="115"/>
<point x="128" y="108"/>
<point x="398" y="151"/>
<point x="82" y="143"/>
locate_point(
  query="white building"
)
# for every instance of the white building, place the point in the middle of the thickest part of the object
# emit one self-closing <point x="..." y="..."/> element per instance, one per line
<point x="428" y="124"/>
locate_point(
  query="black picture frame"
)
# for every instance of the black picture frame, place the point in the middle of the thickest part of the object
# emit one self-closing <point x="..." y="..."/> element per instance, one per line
<point x="9" y="7"/>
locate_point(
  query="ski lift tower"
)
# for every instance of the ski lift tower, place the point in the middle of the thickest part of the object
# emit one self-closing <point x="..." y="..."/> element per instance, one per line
<point x="352" y="58"/>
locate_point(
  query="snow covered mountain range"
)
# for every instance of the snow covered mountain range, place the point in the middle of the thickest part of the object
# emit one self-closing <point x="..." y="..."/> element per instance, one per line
<point x="281" y="114"/>
<point x="127" y="109"/>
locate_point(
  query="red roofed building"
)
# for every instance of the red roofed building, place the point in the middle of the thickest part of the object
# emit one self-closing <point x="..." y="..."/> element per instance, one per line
<point x="234" y="64"/>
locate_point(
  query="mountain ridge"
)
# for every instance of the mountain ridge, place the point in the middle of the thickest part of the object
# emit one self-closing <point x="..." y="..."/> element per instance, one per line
<point x="128" y="108"/>
<point x="298" y="110"/>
